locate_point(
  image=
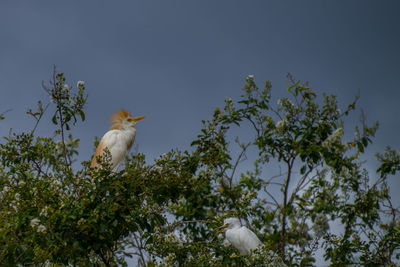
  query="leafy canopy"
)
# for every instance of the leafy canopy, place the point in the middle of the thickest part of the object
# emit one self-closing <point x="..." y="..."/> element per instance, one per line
<point x="303" y="176"/>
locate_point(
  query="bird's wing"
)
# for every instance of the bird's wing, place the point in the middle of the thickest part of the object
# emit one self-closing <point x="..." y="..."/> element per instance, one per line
<point x="109" y="140"/>
<point x="233" y="236"/>
<point x="248" y="239"/>
<point x="98" y="152"/>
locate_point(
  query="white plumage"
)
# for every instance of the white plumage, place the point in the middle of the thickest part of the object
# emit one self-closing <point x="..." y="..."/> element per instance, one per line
<point x="240" y="236"/>
<point x="118" y="140"/>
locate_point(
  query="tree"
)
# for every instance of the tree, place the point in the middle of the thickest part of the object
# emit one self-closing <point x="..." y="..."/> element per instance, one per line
<point x="307" y="176"/>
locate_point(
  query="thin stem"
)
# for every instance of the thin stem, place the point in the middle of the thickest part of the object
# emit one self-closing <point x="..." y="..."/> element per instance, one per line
<point x="299" y="185"/>
<point x="284" y="208"/>
<point x="38" y="119"/>
<point x="254" y="125"/>
<point x="237" y="163"/>
<point x="271" y="196"/>
<point x="139" y="246"/>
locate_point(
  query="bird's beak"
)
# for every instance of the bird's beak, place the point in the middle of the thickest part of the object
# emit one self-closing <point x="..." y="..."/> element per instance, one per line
<point x="138" y="118"/>
<point x="222" y="228"/>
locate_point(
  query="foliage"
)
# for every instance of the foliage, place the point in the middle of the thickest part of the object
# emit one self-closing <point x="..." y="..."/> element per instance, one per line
<point x="306" y="192"/>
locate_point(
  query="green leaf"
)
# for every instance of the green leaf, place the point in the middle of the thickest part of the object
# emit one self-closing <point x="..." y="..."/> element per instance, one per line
<point x="303" y="169"/>
<point x="54" y="119"/>
<point x="82" y="114"/>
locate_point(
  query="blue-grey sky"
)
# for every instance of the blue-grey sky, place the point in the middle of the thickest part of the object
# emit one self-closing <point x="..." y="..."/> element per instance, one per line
<point x="174" y="61"/>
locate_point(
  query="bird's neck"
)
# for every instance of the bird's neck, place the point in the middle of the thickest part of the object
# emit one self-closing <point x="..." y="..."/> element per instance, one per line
<point x="127" y="129"/>
<point x="128" y="134"/>
<point x="235" y="227"/>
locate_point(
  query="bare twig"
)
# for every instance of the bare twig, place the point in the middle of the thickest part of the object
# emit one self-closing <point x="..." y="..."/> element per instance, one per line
<point x="284" y="208"/>
<point x="139" y="246"/>
<point x="275" y="176"/>
<point x="242" y="153"/>
<point x="273" y="198"/>
<point x="39" y="118"/>
<point x="254" y="125"/>
<point x="299" y="185"/>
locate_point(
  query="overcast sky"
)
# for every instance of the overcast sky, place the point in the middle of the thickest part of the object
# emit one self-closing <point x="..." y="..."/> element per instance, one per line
<point x="174" y="61"/>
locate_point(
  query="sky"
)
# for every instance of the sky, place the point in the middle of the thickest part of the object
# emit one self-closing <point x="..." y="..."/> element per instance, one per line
<point x="175" y="61"/>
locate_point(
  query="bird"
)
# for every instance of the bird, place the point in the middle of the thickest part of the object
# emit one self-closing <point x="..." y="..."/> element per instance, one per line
<point x="239" y="236"/>
<point x="118" y="140"/>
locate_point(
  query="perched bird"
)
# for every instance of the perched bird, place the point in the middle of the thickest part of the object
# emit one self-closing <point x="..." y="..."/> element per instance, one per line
<point x="239" y="236"/>
<point x="118" y="140"/>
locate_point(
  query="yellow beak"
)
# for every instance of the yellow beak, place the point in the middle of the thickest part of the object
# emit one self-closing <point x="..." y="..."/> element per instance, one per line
<point x="222" y="228"/>
<point x="137" y="118"/>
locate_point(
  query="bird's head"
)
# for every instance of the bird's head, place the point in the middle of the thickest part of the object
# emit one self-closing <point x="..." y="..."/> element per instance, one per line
<point x="132" y="121"/>
<point x="122" y="119"/>
<point x="229" y="223"/>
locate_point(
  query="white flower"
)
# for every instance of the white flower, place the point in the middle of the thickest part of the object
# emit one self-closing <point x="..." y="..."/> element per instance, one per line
<point x="226" y="243"/>
<point x="17" y="196"/>
<point x="320" y="225"/>
<point x="170" y="258"/>
<point x="337" y="134"/>
<point x="80" y="83"/>
<point x="66" y="87"/>
<point x="250" y="76"/>
<point x="71" y="101"/>
<point x="171" y="237"/>
<point x="14" y="206"/>
<point x="345" y="146"/>
<point x="34" y="222"/>
<point x="57" y="183"/>
<point x="280" y="125"/>
<point x="334" y="138"/>
<point x="41" y="229"/>
<point x="43" y="212"/>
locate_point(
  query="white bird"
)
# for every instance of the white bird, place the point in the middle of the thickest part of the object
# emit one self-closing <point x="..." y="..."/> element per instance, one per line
<point x="118" y="140"/>
<point x="239" y="236"/>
